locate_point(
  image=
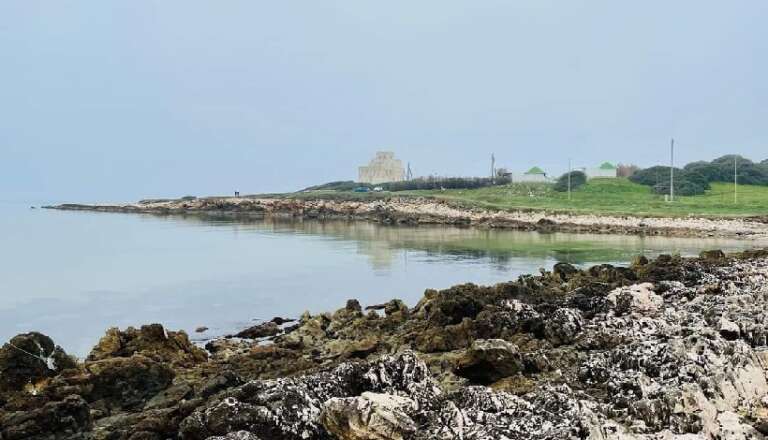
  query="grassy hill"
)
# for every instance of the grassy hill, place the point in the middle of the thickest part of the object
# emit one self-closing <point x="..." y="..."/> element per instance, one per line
<point x="613" y="196"/>
<point x="599" y="196"/>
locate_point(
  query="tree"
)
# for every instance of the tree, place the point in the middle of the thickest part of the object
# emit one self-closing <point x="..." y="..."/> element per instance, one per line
<point x="688" y="181"/>
<point x="653" y="175"/>
<point x="578" y="179"/>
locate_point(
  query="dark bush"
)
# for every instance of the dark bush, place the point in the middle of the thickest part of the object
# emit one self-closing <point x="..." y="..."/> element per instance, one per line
<point x="695" y="178"/>
<point x="749" y="172"/>
<point x="682" y="188"/>
<point x="653" y="175"/>
<point x="578" y="179"/>
<point x="688" y="182"/>
<point x="342" y="185"/>
<point x="431" y="183"/>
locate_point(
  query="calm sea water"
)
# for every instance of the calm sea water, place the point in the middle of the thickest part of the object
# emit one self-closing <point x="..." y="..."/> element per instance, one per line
<point x="72" y="275"/>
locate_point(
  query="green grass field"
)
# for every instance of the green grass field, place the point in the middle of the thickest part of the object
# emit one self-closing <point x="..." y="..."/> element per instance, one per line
<point x="604" y="196"/>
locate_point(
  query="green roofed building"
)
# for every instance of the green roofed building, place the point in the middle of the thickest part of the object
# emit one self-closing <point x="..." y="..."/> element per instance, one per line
<point x="606" y="169"/>
<point x="535" y="174"/>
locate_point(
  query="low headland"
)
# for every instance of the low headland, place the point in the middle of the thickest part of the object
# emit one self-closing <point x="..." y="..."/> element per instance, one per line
<point x="448" y="209"/>
<point x="673" y="348"/>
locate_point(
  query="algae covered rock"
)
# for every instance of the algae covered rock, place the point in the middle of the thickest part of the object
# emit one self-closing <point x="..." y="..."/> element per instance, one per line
<point x="127" y="382"/>
<point x="488" y="361"/>
<point x="28" y="358"/>
<point x="52" y="421"/>
<point x="150" y="340"/>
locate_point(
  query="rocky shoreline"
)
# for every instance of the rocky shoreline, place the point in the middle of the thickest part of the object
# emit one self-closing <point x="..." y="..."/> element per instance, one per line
<point x="415" y="211"/>
<point x="674" y="348"/>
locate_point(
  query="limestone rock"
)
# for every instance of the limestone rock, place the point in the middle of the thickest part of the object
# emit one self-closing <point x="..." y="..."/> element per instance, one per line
<point x="637" y="298"/>
<point x="563" y="326"/>
<point x="488" y="361"/>
<point x="370" y="416"/>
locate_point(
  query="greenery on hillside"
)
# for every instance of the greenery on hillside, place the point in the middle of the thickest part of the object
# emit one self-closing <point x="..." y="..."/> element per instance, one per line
<point x="577" y="180"/>
<point x="696" y="177"/>
<point x="701" y="188"/>
<point x="341" y="185"/>
<point x="439" y="183"/>
<point x="613" y="196"/>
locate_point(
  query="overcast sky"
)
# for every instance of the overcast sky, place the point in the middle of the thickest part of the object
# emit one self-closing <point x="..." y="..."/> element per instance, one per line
<point x="118" y="100"/>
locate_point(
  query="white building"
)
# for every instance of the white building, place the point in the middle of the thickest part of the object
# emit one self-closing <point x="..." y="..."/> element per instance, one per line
<point x="533" y="175"/>
<point x="383" y="168"/>
<point x="607" y="169"/>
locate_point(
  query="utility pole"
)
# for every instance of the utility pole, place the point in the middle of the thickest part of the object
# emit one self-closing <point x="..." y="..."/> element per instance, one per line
<point x="735" y="178"/>
<point x="569" y="179"/>
<point x="493" y="168"/>
<point x="672" y="171"/>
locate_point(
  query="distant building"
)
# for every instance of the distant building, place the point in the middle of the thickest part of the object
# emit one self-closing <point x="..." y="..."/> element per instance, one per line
<point x="535" y="174"/>
<point x="606" y="169"/>
<point x="383" y="168"/>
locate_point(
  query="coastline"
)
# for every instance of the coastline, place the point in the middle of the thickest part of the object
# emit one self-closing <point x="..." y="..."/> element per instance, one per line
<point x="415" y="211"/>
<point x="604" y="353"/>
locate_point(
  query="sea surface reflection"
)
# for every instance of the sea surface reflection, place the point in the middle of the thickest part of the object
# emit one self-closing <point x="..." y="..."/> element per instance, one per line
<point x="72" y="275"/>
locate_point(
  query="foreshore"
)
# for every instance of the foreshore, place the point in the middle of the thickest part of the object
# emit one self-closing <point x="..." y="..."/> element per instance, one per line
<point x="673" y="348"/>
<point x="415" y="211"/>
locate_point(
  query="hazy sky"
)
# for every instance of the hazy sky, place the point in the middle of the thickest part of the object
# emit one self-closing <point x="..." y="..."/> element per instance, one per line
<point x="118" y="100"/>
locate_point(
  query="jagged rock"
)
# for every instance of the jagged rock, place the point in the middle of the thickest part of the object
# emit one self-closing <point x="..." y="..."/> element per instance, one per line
<point x="28" y="358"/>
<point x="396" y="306"/>
<point x="53" y="421"/>
<point x="150" y="340"/>
<point x="728" y="329"/>
<point x="170" y="396"/>
<point x="564" y="271"/>
<point x="370" y="416"/>
<point x="291" y="408"/>
<point x="259" y="331"/>
<point x="637" y="298"/>
<point x="239" y="435"/>
<point x="126" y="382"/>
<point x="280" y="320"/>
<point x="488" y="361"/>
<point x="563" y="326"/>
<point x="451" y="306"/>
<point x="220" y="382"/>
<point x="713" y="255"/>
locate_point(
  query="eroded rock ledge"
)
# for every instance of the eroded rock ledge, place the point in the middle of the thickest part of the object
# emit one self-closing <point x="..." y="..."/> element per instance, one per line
<point x="665" y="349"/>
<point x="414" y="211"/>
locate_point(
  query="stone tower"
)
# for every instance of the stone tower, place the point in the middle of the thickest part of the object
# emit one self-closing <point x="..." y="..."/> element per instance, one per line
<point x="383" y="168"/>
